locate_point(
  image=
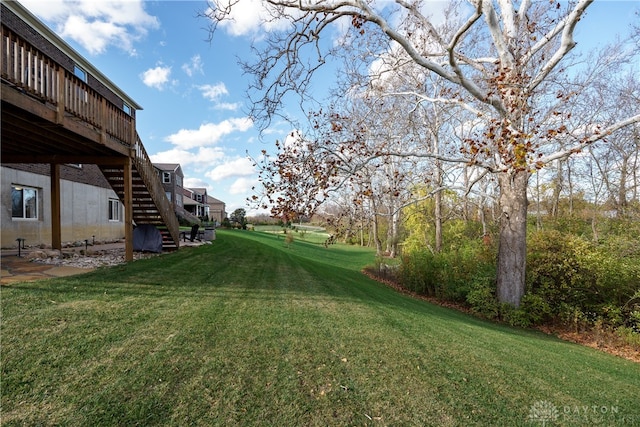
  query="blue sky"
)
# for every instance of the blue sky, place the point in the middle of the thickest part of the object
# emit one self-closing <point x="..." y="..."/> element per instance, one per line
<point x="192" y="91"/>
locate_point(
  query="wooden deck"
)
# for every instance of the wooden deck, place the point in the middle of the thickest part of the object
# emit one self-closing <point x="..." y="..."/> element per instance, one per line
<point x="55" y="112"/>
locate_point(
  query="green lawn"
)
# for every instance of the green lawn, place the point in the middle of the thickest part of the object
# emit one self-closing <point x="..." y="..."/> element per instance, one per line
<point x="248" y="331"/>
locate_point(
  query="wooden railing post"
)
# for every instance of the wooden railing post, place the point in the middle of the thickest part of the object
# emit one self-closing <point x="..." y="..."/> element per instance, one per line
<point x="104" y="120"/>
<point x="60" y="105"/>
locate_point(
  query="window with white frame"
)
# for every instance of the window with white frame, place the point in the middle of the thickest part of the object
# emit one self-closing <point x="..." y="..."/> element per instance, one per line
<point x="166" y="177"/>
<point x="24" y="202"/>
<point x="115" y="211"/>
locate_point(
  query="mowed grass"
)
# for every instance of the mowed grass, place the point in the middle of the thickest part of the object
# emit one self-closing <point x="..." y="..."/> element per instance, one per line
<point x="248" y="331"/>
<point x="304" y="233"/>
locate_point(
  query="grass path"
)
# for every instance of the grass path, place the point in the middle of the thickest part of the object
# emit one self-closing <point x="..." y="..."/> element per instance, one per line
<point x="249" y="332"/>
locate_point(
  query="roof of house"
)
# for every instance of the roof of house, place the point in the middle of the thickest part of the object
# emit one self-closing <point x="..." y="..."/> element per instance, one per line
<point x="213" y="200"/>
<point x="173" y="167"/>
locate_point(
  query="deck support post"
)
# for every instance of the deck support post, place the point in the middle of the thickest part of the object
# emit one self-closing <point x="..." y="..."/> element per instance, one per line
<point x="128" y="210"/>
<point x="56" y="227"/>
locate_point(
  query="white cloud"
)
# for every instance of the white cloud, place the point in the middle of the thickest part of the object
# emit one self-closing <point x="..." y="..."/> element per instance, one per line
<point x="249" y="17"/>
<point x="195" y="183"/>
<point x="209" y="133"/>
<point x="204" y="156"/>
<point x="175" y="155"/>
<point x="228" y="106"/>
<point x="156" y="77"/>
<point x="239" y="167"/>
<point x="293" y="138"/>
<point x="96" y="25"/>
<point x="193" y="67"/>
<point x="213" y="92"/>
<point x="209" y="155"/>
<point x="243" y="186"/>
<point x="50" y="10"/>
<point x="94" y="36"/>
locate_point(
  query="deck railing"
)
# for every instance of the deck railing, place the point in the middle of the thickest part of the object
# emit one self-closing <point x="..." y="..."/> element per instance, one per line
<point x="28" y="68"/>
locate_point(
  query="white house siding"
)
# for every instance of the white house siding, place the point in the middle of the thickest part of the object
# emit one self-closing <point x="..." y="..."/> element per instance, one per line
<point x="84" y="211"/>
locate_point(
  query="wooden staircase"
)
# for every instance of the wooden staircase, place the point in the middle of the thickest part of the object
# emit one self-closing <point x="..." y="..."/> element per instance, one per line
<point x="150" y="204"/>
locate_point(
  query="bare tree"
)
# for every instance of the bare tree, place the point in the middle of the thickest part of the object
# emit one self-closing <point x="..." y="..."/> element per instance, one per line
<point x="617" y="160"/>
<point x="503" y="60"/>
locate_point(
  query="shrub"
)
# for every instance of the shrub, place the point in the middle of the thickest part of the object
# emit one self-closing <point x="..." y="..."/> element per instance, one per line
<point x="482" y="299"/>
<point x="536" y="309"/>
<point x="288" y="238"/>
<point x="419" y="271"/>
<point x="447" y="275"/>
<point x="629" y="336"/>
<point x="513" y="316"/>
<point x="571" y="274"/>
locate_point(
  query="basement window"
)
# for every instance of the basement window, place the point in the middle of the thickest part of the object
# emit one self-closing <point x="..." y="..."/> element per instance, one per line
<point x="115" y="212"/>
<point x="24" y="202"/>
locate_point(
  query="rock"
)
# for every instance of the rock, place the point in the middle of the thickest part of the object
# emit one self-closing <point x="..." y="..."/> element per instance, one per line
<point x="37" y="255"/>
<point x="53" y="253"/>
<point x="101" y="258"/>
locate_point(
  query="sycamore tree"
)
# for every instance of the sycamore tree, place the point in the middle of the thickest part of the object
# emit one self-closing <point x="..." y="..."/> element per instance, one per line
<point x="504" y="61"/>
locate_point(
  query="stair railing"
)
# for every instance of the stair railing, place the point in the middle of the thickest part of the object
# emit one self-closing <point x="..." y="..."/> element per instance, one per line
<point x="148" y="174"/>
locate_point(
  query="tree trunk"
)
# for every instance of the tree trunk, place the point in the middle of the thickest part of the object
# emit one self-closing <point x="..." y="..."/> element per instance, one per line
<point x="374" y="223"/>
<point x="394" y="235"/>
<point x="557" y="191"/>
<point x="622" y="189"/>
<point x="538" y="212"/>
<point x="438" y="220"/>
<point x="512" y="249"/>
<point x="570" y="182"/>
<point x="438" y="205"/>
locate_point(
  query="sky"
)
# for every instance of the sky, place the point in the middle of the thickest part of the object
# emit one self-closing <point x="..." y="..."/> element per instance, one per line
<point x="192" y="91"/>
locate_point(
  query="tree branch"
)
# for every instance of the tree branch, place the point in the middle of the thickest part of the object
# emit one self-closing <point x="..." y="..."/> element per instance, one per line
<point x="567" y="43"/>
<point x="563" y="154"/>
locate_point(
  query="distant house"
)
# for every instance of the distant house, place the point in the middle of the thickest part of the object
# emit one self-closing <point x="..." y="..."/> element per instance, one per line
<point x="202" y="205"/>
<point x="171" y="176"/>
<point x="190" y="204"/>
<point x="195" y="202"/>
<point x="217" y="210"/>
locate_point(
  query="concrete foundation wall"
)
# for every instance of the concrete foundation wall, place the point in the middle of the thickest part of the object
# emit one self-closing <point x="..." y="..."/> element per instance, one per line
<point x="84" y="211"/>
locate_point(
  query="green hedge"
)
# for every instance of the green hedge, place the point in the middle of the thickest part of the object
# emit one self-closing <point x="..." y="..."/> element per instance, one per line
<point x="570" y="279"/>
